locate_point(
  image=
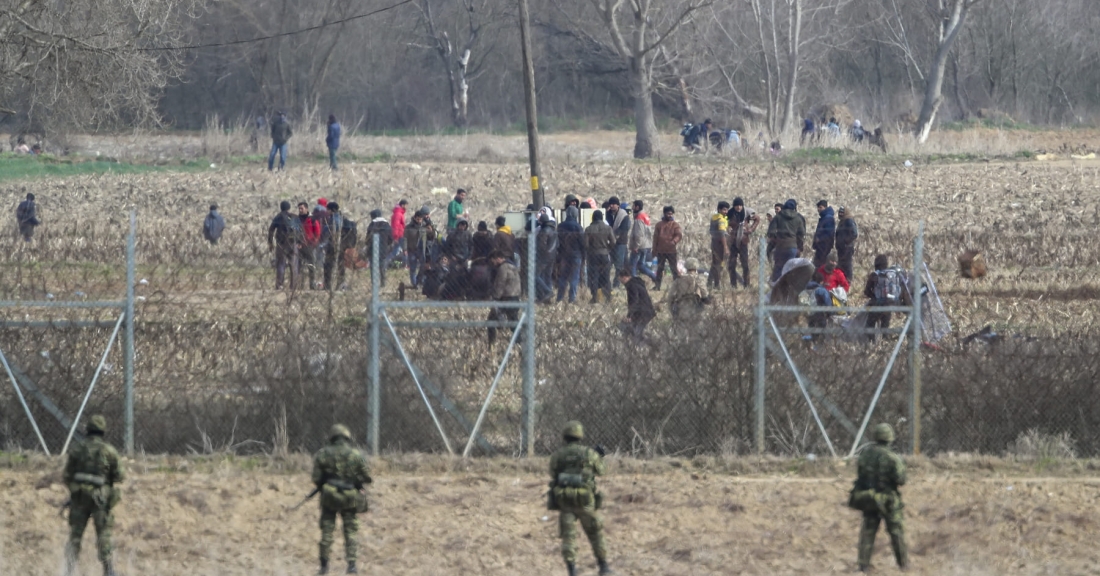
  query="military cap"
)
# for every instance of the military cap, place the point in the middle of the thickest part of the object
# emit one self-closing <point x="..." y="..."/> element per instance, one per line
<point x="96" y="423"/>
<point x="339" y="430"/>
<point x="692" y="264"/>
<point x="884" y="433"/>
<point x="573" y="429"/>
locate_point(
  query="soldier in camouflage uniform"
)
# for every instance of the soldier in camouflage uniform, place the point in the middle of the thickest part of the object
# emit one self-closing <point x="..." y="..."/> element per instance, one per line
<point x="340" y="473"/>
<point x="91" y="472"/>
<point x="573" y="471"/>
<point x="883" y="471"/>
<point x="688" y="294"/>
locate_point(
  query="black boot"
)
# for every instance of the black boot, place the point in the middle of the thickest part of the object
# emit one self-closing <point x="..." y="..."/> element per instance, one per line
<point x="324" y="566"/>
<point x="351" y="568"/>
<point x="572" y="568"/>
<point x="604" y="568"/>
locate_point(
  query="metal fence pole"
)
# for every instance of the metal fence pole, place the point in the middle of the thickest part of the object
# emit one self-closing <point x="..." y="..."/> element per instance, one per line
<point x="374" y="403"/>
<point x="915" y="343"/>
<point x="128" y="336"/>
<point x="761" y="278"/>
<point x="527" y="441"/>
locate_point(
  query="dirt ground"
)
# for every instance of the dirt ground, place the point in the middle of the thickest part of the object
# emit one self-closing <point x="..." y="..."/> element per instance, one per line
<point x="662" y="517"/>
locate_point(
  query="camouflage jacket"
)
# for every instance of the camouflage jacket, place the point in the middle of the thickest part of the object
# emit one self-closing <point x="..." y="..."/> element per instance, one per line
<point x="341" y="462"/>
<point x="688" y="293"/>
<point x="96" y="461"/>
<point x="576" y="458"/>
<point x="879" y="468"/>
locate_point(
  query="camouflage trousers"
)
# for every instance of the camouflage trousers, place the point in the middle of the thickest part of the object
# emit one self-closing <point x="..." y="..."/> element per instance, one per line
<point x="895" y="527"/>
<point x="79" y="514"/>
<point x="593" y="528"/>
<point x="328" y="530"/>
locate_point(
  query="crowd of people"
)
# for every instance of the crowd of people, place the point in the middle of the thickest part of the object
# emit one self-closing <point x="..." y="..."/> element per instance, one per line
<point x="610" y="253"/>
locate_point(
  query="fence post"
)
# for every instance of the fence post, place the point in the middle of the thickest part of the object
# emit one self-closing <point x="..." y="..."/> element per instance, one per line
<point x="915" y="343"/>
<point x="761" y="278"/>
<point x="528" y="433"/>
<point x="128" y="336"/>
<point x="374" y="404"/>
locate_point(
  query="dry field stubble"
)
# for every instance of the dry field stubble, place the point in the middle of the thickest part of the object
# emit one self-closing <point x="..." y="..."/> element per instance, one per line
<point x="663" y="517"/>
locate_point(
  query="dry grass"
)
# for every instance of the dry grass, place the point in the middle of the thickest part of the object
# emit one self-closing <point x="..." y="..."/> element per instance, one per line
<point x="670" y="520"/>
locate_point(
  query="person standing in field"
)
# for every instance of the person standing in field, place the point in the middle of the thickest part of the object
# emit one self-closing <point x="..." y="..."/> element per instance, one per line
<point x="340" y="475"/>
<point x="880" y="473"/>
<point x="620" y="223"/>
<point x="280" y="134"/>
<point x="641" y="243"/>
<point x="546" y="253"/>
<point x="506" y="288"/>
<point x="846" y="235"/>
<point x="825" y="235"/>
<point x="381" y="227"/>
<point x="719" y="235"/>
<point x="419" y="237"/>
<point x="786" y="236"/>
<point x="574" y="494"/>
<point x="456" y="211"/>
<point x="332" y="140"/>
<point x="397" y="223"/>
<point x="599" y="241"/>
<point x="886" y="286"/>
<point x="91" y="472"/>
<point x="570" y="258"/>
<point x="639" y="306"/>
<point x="742" y="224"/>
<point x="482" y="242"/>
<point x="666" y="237"/>
<point x="311" y="240"/>
<point x="504" y="240"/>
<point x="27" y="217"/>
<point x="213" y="225"/>
<point x="284" y="235"/>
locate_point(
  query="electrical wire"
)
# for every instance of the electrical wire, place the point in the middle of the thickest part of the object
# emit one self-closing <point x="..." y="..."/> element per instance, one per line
<point x="279" y="35"/>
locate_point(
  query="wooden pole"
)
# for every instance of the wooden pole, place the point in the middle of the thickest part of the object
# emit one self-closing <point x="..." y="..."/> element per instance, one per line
<point x="537" y="197"/>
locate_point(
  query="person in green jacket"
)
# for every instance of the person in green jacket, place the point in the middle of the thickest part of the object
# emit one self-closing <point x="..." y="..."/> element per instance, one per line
<point x="883" y="471"/>
<point x="91" y="472"/>
<point x="456" y="211"/>
<point x="340" y="473"/>
<point x="573" y="471"/>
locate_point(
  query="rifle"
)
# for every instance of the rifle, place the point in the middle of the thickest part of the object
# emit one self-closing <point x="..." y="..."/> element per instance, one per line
<point x="304" y="500"/>
<point x="67" y="504"/>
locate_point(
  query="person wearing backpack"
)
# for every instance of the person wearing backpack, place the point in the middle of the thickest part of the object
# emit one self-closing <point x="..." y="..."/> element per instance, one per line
<point x="573" y="493"/>
<point x="886" y="286"/>
<point x="875" y="493"/>
<point x="786" y="236"/>
<point x="283" y="237"/>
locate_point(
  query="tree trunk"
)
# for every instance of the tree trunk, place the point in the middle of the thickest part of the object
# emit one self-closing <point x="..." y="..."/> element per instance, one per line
<point x="645" y="142"/>
<point x="933" y="92"/>
<point x="792" y="63"/>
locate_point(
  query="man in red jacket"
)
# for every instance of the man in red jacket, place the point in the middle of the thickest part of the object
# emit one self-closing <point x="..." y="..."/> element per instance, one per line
<point x="311" y="238"/>
<point x="397" y="222"/>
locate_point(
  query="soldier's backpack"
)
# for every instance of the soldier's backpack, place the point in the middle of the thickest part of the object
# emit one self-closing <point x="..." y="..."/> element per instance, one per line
<point x="888" y="284"/>
<point x="686" y="129"/>
<point x="571" y="487"/>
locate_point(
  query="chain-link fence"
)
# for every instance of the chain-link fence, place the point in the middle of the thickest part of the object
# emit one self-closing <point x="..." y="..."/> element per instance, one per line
<point x="225" y="362"/>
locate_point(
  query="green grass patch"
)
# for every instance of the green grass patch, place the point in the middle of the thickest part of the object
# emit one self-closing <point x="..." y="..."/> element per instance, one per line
<point x="25" y="167"/>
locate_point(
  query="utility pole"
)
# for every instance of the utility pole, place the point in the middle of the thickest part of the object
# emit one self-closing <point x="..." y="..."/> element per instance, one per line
<point x="537" y="197"/>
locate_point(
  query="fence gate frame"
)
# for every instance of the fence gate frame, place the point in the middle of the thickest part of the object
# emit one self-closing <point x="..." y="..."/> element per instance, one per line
<point x="125" y="321"/>
<point x="911" y="329"/>
<point x="525" y="325"/>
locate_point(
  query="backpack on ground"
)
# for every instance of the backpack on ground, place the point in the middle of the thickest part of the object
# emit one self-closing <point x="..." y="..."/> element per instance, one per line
<point x="889" y="284"/>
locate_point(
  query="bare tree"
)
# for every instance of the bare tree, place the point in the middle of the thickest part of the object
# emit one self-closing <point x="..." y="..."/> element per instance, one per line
<point x="951" y="18"/>
<point x="68" y="64"/>
<point x="456" y="63"/>
<point x="630" y="34"/>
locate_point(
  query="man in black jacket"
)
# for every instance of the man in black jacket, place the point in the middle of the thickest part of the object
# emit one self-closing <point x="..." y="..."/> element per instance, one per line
<point x="26" y="215"/>
<point x="458" y="245"/>
<point x="546" y="252"/>
<point x="639" y="306"/>
<point x="571" y="253"/>
<point x="283" y="237"/>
